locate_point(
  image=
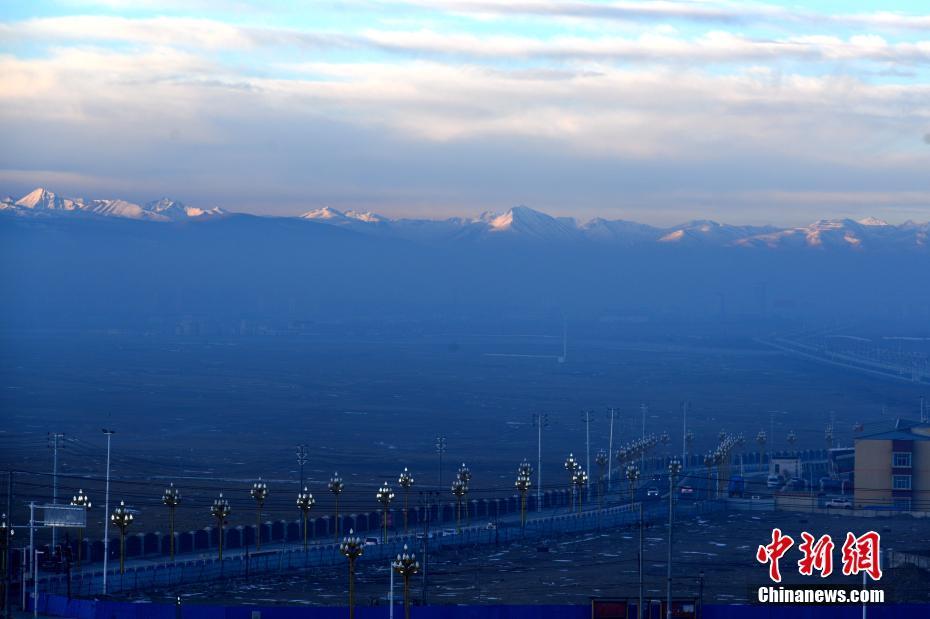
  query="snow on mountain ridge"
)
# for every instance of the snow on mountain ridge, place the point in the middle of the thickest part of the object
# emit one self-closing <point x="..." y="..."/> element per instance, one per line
<point x="41" y="200"/>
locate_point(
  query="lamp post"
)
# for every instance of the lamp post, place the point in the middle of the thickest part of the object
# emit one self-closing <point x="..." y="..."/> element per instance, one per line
<point x="121" y="519"/>
<point x="336" y="487"/>
<point x="406" y="482"/>
<point x="632" y="475"/>
<point x="523" y="484"/>
<point x="571" y="465"/>
<point x="305" y="503"/>
<point x="171" y="499"/>
<point x="259" y="492"/>
<point x="674" y="468"/>
<point x="406" y="565"/>
<point x="351" y="548"/>
<point x="220" y="511"/>
<point x="459" y="490"/>
<point x="79" y="500"/>
<point x="761" y="437"/>
<point x="580" y="480"/>
<point x="441" y="446"/>
<point x="601" y="461"/>
<point x="384" y="495"/>
<point x="464" y="473"/>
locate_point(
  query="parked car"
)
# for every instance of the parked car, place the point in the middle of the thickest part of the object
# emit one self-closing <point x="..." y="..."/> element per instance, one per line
<point x="372" y="541"/>
<point x="686" y="491"/>
<point x="652" y="492"/>
<point x="839" y="503"/>
<point x="774" y="481"/>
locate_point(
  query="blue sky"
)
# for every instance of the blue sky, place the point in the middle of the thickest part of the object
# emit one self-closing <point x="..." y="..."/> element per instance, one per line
<point x="658" y="111"/>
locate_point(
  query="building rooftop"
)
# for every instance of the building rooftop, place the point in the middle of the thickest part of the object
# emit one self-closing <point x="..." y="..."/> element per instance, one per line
<point x="898" y="430"/>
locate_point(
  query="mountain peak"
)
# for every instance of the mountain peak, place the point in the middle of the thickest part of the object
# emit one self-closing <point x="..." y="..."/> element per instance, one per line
<point x="872" y="221"/>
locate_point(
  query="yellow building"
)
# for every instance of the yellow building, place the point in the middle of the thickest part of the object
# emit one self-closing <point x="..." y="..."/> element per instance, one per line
<point x="893" y="467"/>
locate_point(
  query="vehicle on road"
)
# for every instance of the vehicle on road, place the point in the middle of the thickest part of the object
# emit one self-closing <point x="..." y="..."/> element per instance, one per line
<point x="773" y="481"/>
<point x="652" y="492"/>
<point x="839" y="503"/>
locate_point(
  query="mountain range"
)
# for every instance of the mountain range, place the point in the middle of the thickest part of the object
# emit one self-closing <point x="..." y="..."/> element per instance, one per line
<point x="520" y="223"/>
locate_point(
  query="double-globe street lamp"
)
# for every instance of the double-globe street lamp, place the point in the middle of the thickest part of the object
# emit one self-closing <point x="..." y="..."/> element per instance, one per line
<point x="351" y="548"/>
<point x="259" y="492"/>
<point x="121" y="518"/>
<point x="171" y="499"/>
<point x="523" y="484"/>
<point x="674" y="468"/>
<point x="406" y="565"/>
<point x="405" y="480"/>
<point x="384" y="495"/>
<point x="80" y="500"/>
<point x="305" y="503"/>
<point x="220" y="511"/>
<point x="336" y="487"/>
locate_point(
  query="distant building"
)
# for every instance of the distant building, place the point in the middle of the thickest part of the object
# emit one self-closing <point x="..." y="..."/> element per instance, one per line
<point x="786" y="468"/>
<point x="893" y="467"/>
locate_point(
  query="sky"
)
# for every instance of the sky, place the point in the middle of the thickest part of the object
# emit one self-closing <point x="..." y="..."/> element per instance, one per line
<point x="656" y="111"/>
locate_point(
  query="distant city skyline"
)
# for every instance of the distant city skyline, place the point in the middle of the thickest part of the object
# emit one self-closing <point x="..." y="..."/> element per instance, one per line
<point x="659" y="112"/>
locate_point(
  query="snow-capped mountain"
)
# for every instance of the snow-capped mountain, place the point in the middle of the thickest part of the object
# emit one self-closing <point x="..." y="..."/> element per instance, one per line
<point x="41" y="201"/>
<point x="521" y="224"/>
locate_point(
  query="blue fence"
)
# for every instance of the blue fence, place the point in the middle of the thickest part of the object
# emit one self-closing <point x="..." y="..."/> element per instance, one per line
<point x="294" y="557"/>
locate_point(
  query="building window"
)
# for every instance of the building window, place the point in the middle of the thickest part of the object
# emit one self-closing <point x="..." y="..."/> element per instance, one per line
<point x="902" y="504"/>
<point x="901" y="459"/>
<point x="901" y="482"/>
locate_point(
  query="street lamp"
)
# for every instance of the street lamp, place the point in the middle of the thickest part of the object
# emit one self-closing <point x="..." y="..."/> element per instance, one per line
<point x="220" y="510"/>
<point x="464" y="473"/>
<point x="384" y="495"/>
<point x="79" y="500"/>
<point x="674" y="468"/>
<point x="171" y="499"/>
<point x="459" y="490"/>
<point x="305" y="503"/>
<point x="336" y="487"/>
<point x="601" y="461"/>
<point x="761" y="437"/>
<point x="523" y="484"/>
<point x="571" y="465"/>
<point x="351" y="548"/>
<point x="259" y="492"/>
<point x="580" y="480"/>
<point x="406" y="565"/>
<point x="121" y="519"/>
<point x="632" y="476"/>
<point x="406" y="482"/>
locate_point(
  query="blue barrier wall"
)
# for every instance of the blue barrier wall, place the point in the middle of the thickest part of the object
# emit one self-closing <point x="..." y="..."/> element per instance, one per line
<point x="59" y="606"/>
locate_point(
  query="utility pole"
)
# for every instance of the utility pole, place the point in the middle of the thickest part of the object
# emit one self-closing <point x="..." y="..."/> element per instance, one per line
<point x="301" y="461"/>
<point x="440" y="449"/>
<point x="642" y="455"/>
<point x="8" y="573"/>
<point x="684" y="433"/>
<point x="54" y="442"/>
<point x="612" y="412"/>
<point x="540" y="420"/>
<point x="106" y="514"/>
<point x="639" y="608"/>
